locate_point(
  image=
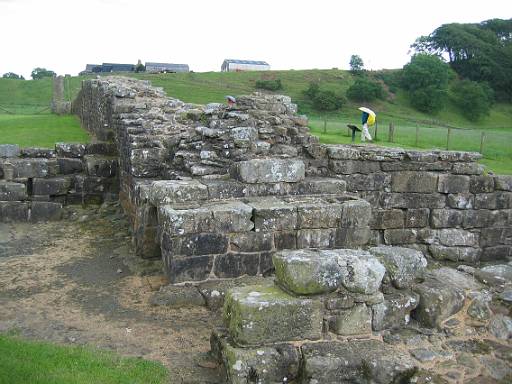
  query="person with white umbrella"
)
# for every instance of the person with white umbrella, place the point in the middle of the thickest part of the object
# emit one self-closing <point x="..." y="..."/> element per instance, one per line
<point x="368" y="119"/>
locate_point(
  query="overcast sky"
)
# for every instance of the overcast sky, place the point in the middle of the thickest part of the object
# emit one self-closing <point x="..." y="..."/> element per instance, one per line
<point x="64" y="35"/>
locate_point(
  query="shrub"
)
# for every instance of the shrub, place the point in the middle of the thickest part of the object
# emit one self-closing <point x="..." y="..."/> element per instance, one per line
<point x="270" y="85"/>
<point x="323" y="100"/>
<point x="365" y="90"/>
<point x="472" y="98"/>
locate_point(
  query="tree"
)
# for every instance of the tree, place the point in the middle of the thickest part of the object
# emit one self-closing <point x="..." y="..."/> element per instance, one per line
<point x="12" y="75"/>
<point x="323" y="100"/>
<point x="40" y="73"/>
<point x="356" y="64"/>
<point x="473" y="99"/>
<point x="426" y="79"/>
<point x="365" y="90"/>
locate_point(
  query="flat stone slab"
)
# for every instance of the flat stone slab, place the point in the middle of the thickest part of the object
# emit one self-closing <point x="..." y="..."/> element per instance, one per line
<point x="307" y="272"/>
<point x="270" y="170"/>
<point x="264" y="314"/>
<point x="361" y="272"/>
<point x="177" y="191"/>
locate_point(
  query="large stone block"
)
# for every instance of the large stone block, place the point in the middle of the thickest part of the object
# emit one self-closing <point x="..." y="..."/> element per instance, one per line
<point x="369" y="182"/>
<point x="404" y="265"/>
<point x="9" y="150"/>
<point x="236" y="264"/>
<point x="360" y="271"/>
<point x="53" y="186"/>
<point x="355" y="361"/>
<point x="342" y="152"/>
<point x="45" y="211"/>
<point x="457" y="237"/>
<point x="395" y="310"/>
<point x="272" y="214"/>
<point x="251" y="241"/>
<point x="183" y="269"/>
<point x="11" y="211"/>
<point x="353" y="321"/>
<point x="70" y="150"/>
<point x="417" y="218"/>
<point x="481" y="184"/>
<point x="285" y="240"/>
<point x="264" y="314"/>
<point x="352" y="237"/>
<point x="270" y="170"/>
<point x="27" y="168"/>
<point x="413" y="200"/>
<point x="68" y="166"/>
<point x="178" y="222"/>
<point x="400" y="236"/>
<point x="347" y="167"/>
<point x="458" y="254"/>
<point x="177" y="191"/>
<point x="147" y="162"/>
<point x="101" y="166"/>
<point x="196" y="244"/>
<point x="495" y="200"/>
<point x="10" y="191"/>
<point x="318" y="186"/>
<point x="421" y="182"/>
<point x="388" y="218"/>
<point x="307" y="272"/>
<point x="453" y="183"/>
<point x="231" y="217"/>
<point x="480" y="218"/>
<point x="503" y="183"/>
<point x="316" y="238"/>
<point x="355" y="214"/>
<point x="446" y="218"/>
<point x="461" y="201"/>
<point x="318" y="214"/>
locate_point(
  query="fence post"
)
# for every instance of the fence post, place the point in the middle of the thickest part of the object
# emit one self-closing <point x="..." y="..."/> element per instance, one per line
<point x="325" y="126"/>
<point x="448" y="139"/>
<point x="482" y="140"/>
<point x="417" y="134"/>
<point x="376" y="127"/>
<point x="391" y="132"/>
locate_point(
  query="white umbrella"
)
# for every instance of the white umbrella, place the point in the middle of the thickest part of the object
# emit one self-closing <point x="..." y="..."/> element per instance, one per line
<point x="367" y="110"/>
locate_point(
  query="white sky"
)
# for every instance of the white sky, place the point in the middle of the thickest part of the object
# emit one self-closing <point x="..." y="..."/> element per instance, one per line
<point x="65" y="35"/>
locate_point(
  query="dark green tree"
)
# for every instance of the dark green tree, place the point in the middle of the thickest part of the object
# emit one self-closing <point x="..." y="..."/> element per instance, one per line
<point x="365" y="89"/>
<point x="426" y="79"/>
<point x="12" y="75"/>
<point x="356" y="64"/>
<point x="473" y="99"/>
<point x="40" y="73"/>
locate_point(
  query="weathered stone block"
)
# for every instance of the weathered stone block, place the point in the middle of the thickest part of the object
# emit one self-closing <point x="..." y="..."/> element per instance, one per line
<point x="503" y="183"/>
<point x="101" y="166"/>
<point x="178" y="222"/>
<point x="353" y="321"/>
<point x="70" y="150"/>
<point x="415" y="166"/>
<point x="422" y="182"/>
<point x="501" y="252"/>
<point x="394" y="311"/>
<point x="195" y="244"/>
<point x="318" y="186"/>
<point x="69" y="166"/>
<point x="348" y="167"/>
<point x="468" y="168"/>
<point x="495" y="200"/>
<point x="453" y="183"/>
<point x="26" y="168"/>
<point x="355" y="214"/>
<point x="177" y="191"/>
<point x="11" y="211"/>
<point x="461" y="201"/>
<point x="352" y="237"/>
<point x="495" y="236"/>
<point x="285" y="240"/>
<point x="270" y="170"/>
<point x="307" y="272"/>
<point x="385" y="219"/>
<point x="400" y="236"/>
<point x="232" y="217"/>
<point x="45" y="211"/>
<point x="9" y="150"/>
<point x="182" y="269"/>
<point x="460" y="254"/>
<point x="479" y="218"/>
<point x="360" y="271"/>
<point x="52" y="187"/>
<point x="417" y="218"/>
<point x="341" y="152"/>
<point x="413" y="200"/>
<point x="101" y="148"/>
<point x="38" y="152"/>
<point x="147" y="162"/>
<point x="10" y="191"/>
<point x="481" y="184"/>
<point x="224" y="189"/>
<point x="318" y="214"/>
<point x="273" y="215"/>
<point x="316" y="238"/>
<point x="236" y="264"/>
<point x="404" y="265"/>
<point x="457" y="237"/>
<point x="264" y="314"/>
<point x="369" y="182"/>
<point x="446" y="218"/>
<point x="251" y="241"/>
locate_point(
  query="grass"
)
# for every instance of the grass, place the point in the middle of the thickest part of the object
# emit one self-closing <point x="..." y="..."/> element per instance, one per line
<point x="42" y="130"/>
<point x="32" y="362"/>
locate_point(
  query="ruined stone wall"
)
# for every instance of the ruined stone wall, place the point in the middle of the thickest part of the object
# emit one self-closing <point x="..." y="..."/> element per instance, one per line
<point x="35" y="183"/>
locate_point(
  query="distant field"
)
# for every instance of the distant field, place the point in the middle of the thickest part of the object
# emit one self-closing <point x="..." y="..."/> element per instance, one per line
<point x="41" y="130"/>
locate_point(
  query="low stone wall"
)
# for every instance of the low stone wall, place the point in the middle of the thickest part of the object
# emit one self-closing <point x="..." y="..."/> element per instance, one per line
<point x="35" y="183"/>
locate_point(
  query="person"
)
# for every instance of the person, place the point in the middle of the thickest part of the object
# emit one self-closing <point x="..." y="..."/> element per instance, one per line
<point x="366" y="119"/>
<point x="231" y="101"/>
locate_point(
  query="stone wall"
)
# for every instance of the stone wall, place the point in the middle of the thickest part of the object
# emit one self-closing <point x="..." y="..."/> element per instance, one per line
<point x="35" y="183"/>
<point x="178" y="157"/>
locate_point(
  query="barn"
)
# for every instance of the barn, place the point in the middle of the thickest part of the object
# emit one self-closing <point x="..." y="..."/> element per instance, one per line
<point x="166" y="67"/>
<point x="231" y="65"/>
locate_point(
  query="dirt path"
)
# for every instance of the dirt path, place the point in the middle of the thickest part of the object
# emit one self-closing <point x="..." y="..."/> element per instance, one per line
<point x="67" y="282"/>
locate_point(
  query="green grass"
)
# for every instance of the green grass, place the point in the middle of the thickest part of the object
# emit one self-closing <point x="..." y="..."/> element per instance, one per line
<point x="23" y="362"/>
<point x="41" y="130"/>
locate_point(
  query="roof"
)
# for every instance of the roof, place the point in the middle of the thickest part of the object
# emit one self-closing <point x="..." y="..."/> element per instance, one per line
<point x="89" y="67"/>
<point x="165" y="65"/>
<point x="236" y="61"/>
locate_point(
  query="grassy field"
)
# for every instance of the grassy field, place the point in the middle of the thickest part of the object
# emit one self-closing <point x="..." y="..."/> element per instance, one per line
<point x="42" y="130"/>
<point x="31" y="362"/>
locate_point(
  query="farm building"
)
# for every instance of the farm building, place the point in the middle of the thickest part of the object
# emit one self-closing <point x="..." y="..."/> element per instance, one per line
<point x="114" y="67"/>
<point x="166" y="67"/>
<point x="230" y="65"/>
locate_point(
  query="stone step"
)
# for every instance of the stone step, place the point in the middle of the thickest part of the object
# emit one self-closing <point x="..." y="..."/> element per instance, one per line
<point x="263" y="314"/>
<point x="270" y="170"/>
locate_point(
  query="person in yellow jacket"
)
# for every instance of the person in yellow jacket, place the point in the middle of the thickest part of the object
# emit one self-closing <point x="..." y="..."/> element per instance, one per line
<point x="367" y="119"/>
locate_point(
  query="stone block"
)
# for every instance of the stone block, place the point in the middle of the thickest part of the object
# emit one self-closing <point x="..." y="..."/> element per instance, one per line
<point x="415" y="166"/>
<point x="318" y="214"/>
<point x="195" y="244"/>
<point x="495" y="200"/>
<point x="420" y="182"/>
<point x="352" y="237"/>
<point x="9" y="150"/>
<point x="369" y="182"/>
<point x="400" y="236"/>
<point x="368" y="361"/>
<point x="316" y="238"/>
<point x="70" y="150"/>
<point x="27" y="168"/>
<point x="224" y="189"/>
<point x="318" y="186"/>
<point x="273" y="215"/>
<point x="177" y="191"/>
<point x="403" y="265"/>
<point x="503" y="183"/>
<point x="12" y="211"/>
<point x="147" y="162"/>
<point x="413" y="200"/>
<point x="453" y="183"/>
<point x="243" y="136"/>
<point x="461" y="201"/>
<point x="307" y="272"/>
<point x="53" y="186"/>
<point x="394" y="312"/>
<point x="10" y="191"/>
<point x="355" y="214"/>
<point x="183" y="269"/>
<point x="479" y="218"/>
<point x="458" y="254"/>
<point x="495" y="236"/>
<point x="251" y="241"/>
<point x="37" y="152"/>
<point x="236" y="264"/>
<point x="264" y="314"/>
<point x="446" y="218"/>
<point x="342" y="152"/>
<point x="388" y="218"/>
<point x="501" y="252"/>
<point x="231" y="217"/>
<point x="481" y="184"/>
<point x="417" y="218"/>
<point x="353" y="321"/>
<point x="457" y="237"/>
<point x="101" y="148"/>
<point x="285" y="240"/>
<point x="348" y="167"/>
<point x="360" y="271"/>
<point x="467" y="169"/>
<point x="69" y="166"/>
<point x="270" y="170"/>
<point x="101" y="166"/>
<point x="45" y="211"/>
<point x="178" y="222"/>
